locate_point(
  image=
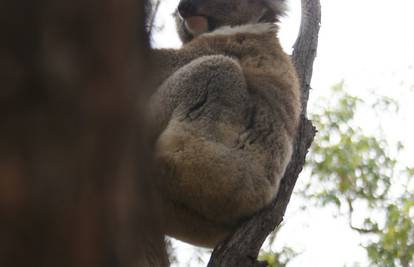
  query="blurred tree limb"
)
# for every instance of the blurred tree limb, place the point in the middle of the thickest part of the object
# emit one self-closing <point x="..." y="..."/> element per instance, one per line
<point x="73" y="163"/>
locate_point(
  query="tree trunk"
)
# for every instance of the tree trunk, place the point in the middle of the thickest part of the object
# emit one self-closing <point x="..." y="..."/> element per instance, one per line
<point x="74" y="169"/>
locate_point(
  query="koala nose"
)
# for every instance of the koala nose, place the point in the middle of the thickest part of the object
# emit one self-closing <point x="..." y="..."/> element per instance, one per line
<point x="187" y="8"/>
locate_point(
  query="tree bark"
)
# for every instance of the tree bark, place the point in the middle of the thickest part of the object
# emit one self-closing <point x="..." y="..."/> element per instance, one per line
<point x="74" y="166"/>
<point x="242" y="248"/>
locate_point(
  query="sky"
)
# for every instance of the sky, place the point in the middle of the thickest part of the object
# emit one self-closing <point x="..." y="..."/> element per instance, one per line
<point x="369" y="44"/>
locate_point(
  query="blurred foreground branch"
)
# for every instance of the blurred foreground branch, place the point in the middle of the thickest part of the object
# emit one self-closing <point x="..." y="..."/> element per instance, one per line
<point x="74" y="187"/>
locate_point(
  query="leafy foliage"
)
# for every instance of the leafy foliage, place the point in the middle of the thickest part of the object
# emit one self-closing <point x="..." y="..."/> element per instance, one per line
<point x="395" y="246"/>
<point x="355" y="169"/>
<point x="350" y="164"/>
<point x="278" y="258"/>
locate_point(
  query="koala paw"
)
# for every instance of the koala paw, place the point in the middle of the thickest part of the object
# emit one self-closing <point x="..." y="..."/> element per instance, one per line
<point x="257" y="28"/>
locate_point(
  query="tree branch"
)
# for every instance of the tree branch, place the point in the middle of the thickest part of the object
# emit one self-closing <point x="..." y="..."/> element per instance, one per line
<point x="242" y="248"/>
<point x="152" y="13"/>
<point x="75" y="171"/>
<point x="360" y="230"/>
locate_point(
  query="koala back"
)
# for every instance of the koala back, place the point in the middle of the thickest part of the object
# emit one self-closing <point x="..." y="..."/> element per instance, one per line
<point x="229" y="138"/>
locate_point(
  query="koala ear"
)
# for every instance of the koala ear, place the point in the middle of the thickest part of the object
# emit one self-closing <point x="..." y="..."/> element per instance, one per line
<point x="184" y="35"/>
<point x="278" y="7"/>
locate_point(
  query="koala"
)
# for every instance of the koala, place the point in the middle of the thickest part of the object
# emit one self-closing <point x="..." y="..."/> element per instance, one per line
<point x="224" y="117"/>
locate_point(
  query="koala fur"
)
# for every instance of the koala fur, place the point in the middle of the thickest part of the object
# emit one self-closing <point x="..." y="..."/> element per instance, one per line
<point x="224" y="115"/>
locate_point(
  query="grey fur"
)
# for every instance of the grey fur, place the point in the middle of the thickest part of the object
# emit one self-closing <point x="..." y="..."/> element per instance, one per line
<point x="224" y="116"/>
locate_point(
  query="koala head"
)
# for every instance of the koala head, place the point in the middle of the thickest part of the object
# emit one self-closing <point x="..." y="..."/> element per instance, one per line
<point x="194" y="17"/>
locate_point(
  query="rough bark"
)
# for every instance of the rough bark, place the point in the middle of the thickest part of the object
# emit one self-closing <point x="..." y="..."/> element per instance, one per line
<point x="242" y="248"/>
<point x="73" y="167"/>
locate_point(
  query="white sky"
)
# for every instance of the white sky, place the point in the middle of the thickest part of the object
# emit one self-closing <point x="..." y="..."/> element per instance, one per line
<point x="370" y="45"/>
